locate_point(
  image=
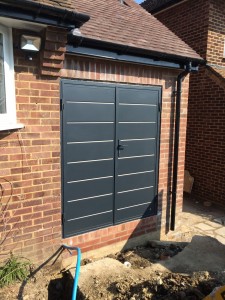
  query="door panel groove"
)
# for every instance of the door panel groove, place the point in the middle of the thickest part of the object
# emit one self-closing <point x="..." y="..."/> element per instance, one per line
<point x="88" y="161"/>
<point x="90" y="142"/>
<point x="143" y="172"/>
<point x="133" y="206"/>
<point x="142" y="188"/>
<point x="83" y="217"/>
<point x="137" y="122"/>
<point x="98" y="103"/>
<point x="128" y="157"/>
<point x="137" y="104"/>
<point x="71" y="123"/>
<point x="92" y="197"/>
<point x="131" y="140"/>
<point x="90" y="179"/>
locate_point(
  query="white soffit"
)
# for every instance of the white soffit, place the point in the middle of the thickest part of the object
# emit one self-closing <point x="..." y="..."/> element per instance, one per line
<point x="19" y="24"/>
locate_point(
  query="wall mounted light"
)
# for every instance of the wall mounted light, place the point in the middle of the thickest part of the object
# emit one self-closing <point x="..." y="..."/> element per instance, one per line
<point x="76" y="32"/>
<point x="30" y="43"/>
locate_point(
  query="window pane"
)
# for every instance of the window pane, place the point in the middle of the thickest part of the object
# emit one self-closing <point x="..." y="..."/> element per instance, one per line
<point x="2" y="79"/>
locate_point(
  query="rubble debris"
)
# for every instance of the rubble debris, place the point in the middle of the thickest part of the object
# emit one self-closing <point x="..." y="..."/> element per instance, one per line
<point x="166" y="286"/>
<point x="144" y="256"/>
<point x="127" y="264"/>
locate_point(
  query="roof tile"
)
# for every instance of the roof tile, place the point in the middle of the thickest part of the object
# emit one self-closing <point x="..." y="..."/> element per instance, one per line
<point x="126" y="24"/>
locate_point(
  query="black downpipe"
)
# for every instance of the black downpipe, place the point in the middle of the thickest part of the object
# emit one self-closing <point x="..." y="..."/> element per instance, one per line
<point x="176" y="144"/>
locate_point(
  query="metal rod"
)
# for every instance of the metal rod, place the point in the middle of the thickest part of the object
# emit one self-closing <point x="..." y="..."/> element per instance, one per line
<point x="176" y="145"/>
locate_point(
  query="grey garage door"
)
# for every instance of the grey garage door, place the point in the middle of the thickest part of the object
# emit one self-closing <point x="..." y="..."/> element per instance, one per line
<point x="110" y="137"/>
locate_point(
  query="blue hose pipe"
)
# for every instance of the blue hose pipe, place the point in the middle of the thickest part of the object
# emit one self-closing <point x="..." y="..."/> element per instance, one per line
<point x="77" y="272"/>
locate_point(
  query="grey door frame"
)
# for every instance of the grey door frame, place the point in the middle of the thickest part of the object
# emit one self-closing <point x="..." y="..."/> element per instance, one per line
<point x="116" y="85"/>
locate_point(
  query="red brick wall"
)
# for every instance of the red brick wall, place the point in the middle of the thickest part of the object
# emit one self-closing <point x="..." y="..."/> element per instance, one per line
<point x="216" y="34"/>
<point x="189" y="20"/>
<point x="205" y="138"/>
<point x="30" y="158"/>
<point x="201" y="24"/>
<point x="30" y="162"/>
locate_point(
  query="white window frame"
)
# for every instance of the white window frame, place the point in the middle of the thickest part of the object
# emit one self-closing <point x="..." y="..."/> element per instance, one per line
<point x="8" y="120"/>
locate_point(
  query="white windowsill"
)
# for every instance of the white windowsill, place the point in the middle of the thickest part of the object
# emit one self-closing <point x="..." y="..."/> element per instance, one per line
<point x="12" y="126"/>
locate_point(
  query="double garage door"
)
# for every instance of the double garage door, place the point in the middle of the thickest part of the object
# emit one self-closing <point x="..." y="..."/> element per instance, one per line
<point x="110" y="141"/>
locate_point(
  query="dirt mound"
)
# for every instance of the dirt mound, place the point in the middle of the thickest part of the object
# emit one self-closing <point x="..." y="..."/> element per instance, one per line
<point x="135" y="285"/>
<point x="165" y="286"/>
<point x="157" y="271"/>
<point x="144" y="256"/>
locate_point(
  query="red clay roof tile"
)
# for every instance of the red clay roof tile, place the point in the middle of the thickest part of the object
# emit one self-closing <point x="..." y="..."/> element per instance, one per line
<point x="126" y="24"/>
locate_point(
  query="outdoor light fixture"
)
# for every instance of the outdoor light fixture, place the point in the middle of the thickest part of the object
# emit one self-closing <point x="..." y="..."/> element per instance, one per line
<point x="30" y="43"/>
<point x="76" y="32"/>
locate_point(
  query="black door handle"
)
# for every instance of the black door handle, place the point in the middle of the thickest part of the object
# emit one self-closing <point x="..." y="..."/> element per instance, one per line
<point x="120" y="147"/>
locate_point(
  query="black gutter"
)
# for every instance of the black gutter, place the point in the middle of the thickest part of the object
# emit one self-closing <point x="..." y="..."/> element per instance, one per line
<point x="41" y="13"/>
<point x="131" y="50"/>
<point x="180" y="77"/>
<point x="114" y="56"/>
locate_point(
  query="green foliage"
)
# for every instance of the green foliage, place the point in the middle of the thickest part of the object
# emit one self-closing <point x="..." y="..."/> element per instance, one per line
<point x="13" y="270"/>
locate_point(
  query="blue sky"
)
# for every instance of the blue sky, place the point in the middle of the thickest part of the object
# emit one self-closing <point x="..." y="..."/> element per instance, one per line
<point x="139" y="1"/>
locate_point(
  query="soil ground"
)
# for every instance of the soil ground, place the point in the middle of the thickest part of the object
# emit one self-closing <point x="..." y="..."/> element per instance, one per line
<point x="156" y="271"/>
<point x="46" y="284"/>
<point x="150" y="272"/>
